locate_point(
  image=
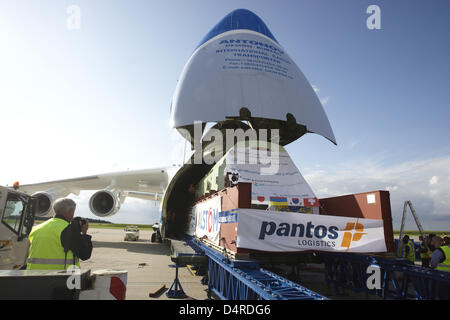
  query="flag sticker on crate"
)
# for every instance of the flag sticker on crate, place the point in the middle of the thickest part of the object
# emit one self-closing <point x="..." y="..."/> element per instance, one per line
<point x="278" y="201"/>
<point x="311" y="202"/>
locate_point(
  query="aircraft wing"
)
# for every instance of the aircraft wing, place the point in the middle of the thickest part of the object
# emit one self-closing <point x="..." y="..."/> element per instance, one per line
<point x="112" y="189"/>
<point x="144" y="195"/>
<point x="138" y="183"/>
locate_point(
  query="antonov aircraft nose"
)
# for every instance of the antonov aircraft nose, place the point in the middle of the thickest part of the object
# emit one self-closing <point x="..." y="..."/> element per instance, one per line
<point x="239" y="19"/>
<point x="239" y="71"/>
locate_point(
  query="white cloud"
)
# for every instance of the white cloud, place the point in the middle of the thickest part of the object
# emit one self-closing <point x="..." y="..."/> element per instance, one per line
<point x="325" y="100"/>
<point x="405" y="181"/>
<point x="434" y="180"/>
<point x="322" y="100"/>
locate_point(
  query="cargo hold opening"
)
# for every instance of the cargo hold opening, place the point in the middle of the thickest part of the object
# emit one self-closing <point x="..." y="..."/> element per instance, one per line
<point x="181" y="195"/>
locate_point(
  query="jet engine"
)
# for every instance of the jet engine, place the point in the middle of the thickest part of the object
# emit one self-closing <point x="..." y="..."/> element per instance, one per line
<point x="44" y="203"/>
<point x="104" y="203"/>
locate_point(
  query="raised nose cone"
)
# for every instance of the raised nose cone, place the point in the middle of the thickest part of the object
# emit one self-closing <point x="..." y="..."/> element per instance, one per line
<point x="240" y="19"/>
<point x="239" y="71"/>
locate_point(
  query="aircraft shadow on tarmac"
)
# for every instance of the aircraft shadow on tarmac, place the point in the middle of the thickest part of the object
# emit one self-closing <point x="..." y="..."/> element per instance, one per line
<point x="140" y="246"/>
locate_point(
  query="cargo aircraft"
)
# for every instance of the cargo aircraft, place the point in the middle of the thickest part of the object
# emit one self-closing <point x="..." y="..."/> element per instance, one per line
<point x="239" y="77"/>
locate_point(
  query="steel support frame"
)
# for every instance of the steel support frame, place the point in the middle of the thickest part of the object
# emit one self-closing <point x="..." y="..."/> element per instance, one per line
<point x="399" y="279"/>
<point x="246" y="280"/>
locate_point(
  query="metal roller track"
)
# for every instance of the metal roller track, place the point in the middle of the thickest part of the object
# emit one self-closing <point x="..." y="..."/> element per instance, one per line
<point x="245" y="280"/>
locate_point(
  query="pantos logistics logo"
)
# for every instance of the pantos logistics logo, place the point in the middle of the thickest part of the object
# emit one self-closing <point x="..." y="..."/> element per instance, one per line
<point x="353" y="233"/>
<point x="319" y="235"/>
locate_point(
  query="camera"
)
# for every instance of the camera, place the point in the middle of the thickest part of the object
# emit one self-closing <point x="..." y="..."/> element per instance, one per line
<point x="80" y="219"/>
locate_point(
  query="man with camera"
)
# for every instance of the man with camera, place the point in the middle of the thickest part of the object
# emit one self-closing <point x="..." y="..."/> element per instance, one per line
<point x="61" y="241"/>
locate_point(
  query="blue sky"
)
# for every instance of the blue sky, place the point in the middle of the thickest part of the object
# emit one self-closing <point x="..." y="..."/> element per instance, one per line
<point x="97" y="99"/>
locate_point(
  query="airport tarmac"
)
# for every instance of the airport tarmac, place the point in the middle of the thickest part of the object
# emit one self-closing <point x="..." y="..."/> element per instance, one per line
<point x="147" y="264"/>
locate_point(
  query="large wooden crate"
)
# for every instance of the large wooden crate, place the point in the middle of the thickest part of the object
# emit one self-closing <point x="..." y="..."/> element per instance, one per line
<point x="369" y="205"/>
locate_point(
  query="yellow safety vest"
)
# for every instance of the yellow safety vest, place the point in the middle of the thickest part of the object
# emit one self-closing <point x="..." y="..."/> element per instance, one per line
<point x="411" y="254"/>
<point x="46" y="251"/>
<point x="445" y="265"/>
<point x="424" y="255"/>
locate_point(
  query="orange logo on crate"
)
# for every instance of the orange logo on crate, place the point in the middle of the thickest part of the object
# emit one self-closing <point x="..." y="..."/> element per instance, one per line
<point x="210" y="220"/>
<point x="354" y="232"/>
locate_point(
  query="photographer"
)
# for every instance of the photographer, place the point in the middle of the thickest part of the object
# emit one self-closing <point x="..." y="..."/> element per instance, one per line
<point x="61" y="241"/>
